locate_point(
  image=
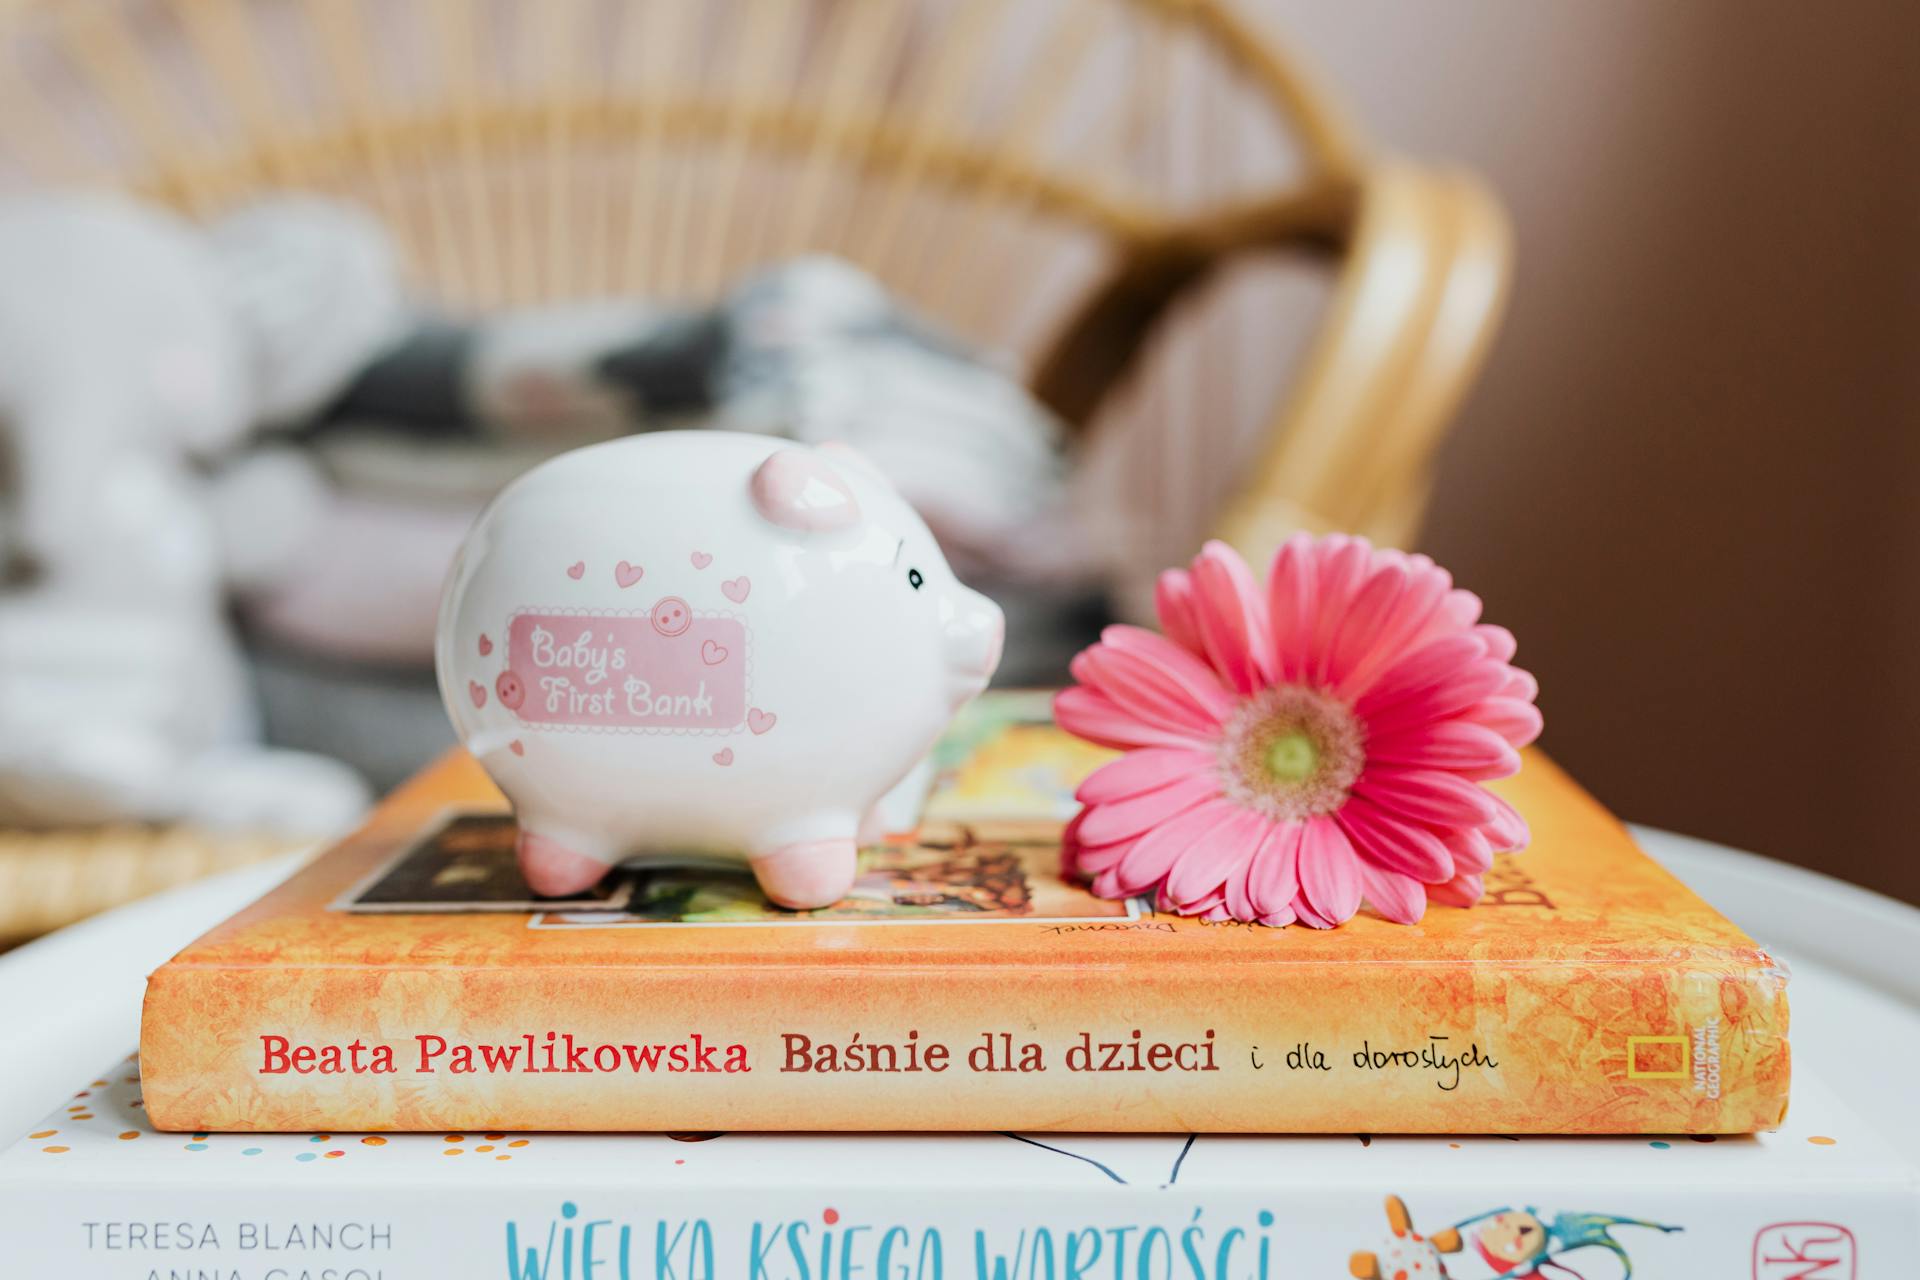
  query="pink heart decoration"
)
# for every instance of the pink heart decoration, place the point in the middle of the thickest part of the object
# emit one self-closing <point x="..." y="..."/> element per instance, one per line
<point x="627" y="574"/>
<point x="735" y="589"/>
<point x="723" y="757"/>
<point x="701" y="559"/>
<point x="760" y="721"/>
<point x="486" y="645"/>
<point x="577" y="568"/>
<point x="478" y="692"/>
<point x="518" y="747"/>
<point x="713" y="653"/>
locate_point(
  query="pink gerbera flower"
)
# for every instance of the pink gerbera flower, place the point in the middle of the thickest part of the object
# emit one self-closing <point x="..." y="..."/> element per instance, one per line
<point x="1292" y="752"/>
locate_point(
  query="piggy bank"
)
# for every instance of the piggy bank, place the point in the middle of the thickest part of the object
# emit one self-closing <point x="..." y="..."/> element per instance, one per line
<point x="703" y="645"/>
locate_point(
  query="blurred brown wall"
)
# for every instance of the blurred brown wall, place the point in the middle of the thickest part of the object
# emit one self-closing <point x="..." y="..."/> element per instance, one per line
<point x="1690" y="480"/>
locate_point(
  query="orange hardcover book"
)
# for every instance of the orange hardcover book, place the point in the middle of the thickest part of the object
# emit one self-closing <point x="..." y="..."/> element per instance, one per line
<point x="404" y="981"/>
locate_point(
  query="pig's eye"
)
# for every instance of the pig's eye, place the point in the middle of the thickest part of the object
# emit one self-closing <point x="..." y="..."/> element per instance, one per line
<point x="914" y="579"/>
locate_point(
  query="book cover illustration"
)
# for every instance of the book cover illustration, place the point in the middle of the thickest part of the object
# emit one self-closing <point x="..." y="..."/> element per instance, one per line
<point x="456" y="865"/>
<point x="944" y="871"/>
<point x="987" y="848"/>
<point x="963" y="985"/>
<point x="1517" y="1243"/>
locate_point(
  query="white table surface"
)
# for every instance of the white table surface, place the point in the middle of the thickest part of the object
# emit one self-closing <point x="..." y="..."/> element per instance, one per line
<point x="71" y="1001"/>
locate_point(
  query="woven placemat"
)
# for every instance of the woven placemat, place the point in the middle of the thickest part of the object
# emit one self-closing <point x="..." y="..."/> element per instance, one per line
<point x="50" y="878"/>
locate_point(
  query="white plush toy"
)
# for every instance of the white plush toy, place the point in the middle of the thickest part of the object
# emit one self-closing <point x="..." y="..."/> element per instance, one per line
<point x="133" y="352"/>
<point x="145" y="365"/>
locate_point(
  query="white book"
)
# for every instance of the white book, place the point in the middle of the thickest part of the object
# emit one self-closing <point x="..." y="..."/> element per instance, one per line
<point x="94" y="1192"/>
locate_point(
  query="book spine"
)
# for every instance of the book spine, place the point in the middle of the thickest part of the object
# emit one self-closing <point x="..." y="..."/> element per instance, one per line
<point x="1696" y="1047"/>
<point x="585" y="1229"/>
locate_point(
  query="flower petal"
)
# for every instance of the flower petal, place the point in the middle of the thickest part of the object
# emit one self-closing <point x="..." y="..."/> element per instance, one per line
<point x="1173" y="601"/>
<point x="1352" y="580"/>
<point x="1472" y="851"/>
<point x="1211" y="861"/>
<point x="1070" y="848"/>
<point x="1308" y="915"/>
<point x="1342" y="571"/>
<point x="1152" y="856"/>
<point x="1124" y="819"/>
<point x="1140" y="771"/>
<point x="1464" y="890"/>
<point x="1273" y="877"/>
<point x="1290" y="597"/>
<point x="1445" y="697"/>
<point x="1329" y="871"/>
<point x="1358" y="631"/>
<point x="1213" y="900"/>
<point x="1436" y="584"/>
<point x="1095" y="860"/>
<point x="1090" y="714"/>
<point x="1426" y="667"/>
<point x="1461" y="608"/>
<point x="1508" y="831"/>
<point x="1192" y="674"/>
<point x="1516" y="721"/>
<point x="1414" y="621"/>
<point x="1471" y="750"/>
<point x="1500" y="642"/>
<point x="1239" y="901"/>
<point x="1399" y="898"/>
<point x="1341" y="568"/>
<point x="1395" y="843"/>
<point x="1427" y="795"/>
<point x="1232" y="618"/>
<point x="1142" y="689"/>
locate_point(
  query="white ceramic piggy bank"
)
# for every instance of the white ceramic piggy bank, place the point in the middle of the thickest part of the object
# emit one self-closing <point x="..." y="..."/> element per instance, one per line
<point x="697" y="643"/>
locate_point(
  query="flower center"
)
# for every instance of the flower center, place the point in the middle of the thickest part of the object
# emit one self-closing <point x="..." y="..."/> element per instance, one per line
<point x="1291" y="757"/>
<point x="1291" y="752"/>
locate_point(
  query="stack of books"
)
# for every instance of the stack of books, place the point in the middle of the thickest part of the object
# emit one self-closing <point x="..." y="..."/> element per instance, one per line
<point x="421" y="1026"/>
<point x="406" y="981"/>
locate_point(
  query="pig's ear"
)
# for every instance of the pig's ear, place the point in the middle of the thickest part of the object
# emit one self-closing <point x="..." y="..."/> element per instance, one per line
<point x="797" y="489"/>
<point x="844" y="454"/>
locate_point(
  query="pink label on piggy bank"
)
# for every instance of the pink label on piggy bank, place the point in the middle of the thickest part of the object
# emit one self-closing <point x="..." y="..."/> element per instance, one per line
<point x="665" y="669"/>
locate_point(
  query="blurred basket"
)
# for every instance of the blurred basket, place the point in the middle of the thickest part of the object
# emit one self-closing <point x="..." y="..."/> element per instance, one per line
<point x="1052" y="178"/>
<point x="52" y="878"/>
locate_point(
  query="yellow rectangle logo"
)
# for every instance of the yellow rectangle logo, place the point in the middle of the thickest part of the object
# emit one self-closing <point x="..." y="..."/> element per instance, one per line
<point x="1659" y="1058"/>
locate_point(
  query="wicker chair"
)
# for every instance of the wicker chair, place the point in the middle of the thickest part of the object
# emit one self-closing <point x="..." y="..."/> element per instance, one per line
<point x="1053" y="178"/>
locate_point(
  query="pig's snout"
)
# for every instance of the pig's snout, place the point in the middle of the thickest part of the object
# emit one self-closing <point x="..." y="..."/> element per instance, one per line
<point x="973" y="633"/>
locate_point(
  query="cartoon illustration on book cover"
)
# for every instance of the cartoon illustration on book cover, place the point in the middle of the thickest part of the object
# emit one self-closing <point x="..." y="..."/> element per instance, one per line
<point x="1513" y="1244"/>
<point x="1002" y="760"/>
<point x="945" y="871"/>
<point x="987" y="848"/>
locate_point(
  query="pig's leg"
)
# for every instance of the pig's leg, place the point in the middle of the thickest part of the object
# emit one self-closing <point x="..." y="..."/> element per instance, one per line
<point x="557" y="865"/>
<point x="807" y="873"/>
<point x="873" y="826"/>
